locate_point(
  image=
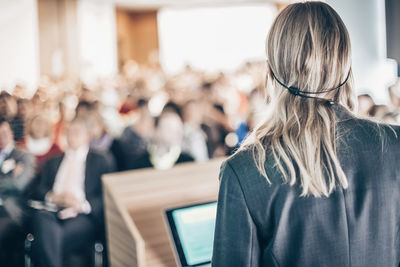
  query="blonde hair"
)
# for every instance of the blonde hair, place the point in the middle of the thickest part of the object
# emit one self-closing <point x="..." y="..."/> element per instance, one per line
<point x="308" y="47"/>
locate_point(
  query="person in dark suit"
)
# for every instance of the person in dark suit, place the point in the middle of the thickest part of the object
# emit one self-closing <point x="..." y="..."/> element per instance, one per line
<point x="313" y="185"/>
<point x="72" y="182"/>
<point x="17" y="168"/>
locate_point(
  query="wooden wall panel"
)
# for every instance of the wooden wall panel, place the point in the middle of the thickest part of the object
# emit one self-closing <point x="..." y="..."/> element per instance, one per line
<point x="137" y="200"/>
<point x="49" y="33"/>
<point x="58" y="33"/>
<point x="137" y="35"/>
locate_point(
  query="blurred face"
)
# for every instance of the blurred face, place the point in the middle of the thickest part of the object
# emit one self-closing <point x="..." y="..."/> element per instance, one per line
<point x="169" y="129"/>
<point x="82" y="111"/>
<point x="96" y="128"/>
<point x="77" y="135"/>
<point x="12" y="106"/>
<point x="193" y="113"/>
<point x="40" y="128"/>
<point x="6" y="136"/>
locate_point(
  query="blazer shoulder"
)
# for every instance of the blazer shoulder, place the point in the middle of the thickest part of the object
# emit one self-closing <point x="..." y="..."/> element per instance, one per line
<point x="370" y="133"/>
<point x="241" y="158"/>
<point x="243" y="165"/>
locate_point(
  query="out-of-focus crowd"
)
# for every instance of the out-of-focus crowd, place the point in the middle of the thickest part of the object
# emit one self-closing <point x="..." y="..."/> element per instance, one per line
<point x="382" y="113"/>
<point x="142" y="118"/>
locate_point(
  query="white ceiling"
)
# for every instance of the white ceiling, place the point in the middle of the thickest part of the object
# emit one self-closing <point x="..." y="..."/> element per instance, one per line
<point x="156" y="4"/>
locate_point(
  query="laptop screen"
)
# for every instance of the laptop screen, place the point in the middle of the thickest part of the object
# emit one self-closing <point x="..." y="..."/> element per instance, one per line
<point x="192" y="229"/>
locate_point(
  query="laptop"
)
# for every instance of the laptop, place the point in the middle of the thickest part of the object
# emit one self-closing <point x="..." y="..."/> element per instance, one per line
<point x="192" y="233"/>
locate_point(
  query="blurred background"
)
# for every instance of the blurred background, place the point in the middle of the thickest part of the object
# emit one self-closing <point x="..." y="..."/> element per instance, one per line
<point x="160" y="82"/>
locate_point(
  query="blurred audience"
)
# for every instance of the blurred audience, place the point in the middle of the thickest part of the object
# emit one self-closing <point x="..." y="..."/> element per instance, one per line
<point x="365" y="103"/>
<point x="217" y="109"/>
<point x="394" y="94"/>
<point x="17" y="169"/>
<point x="378" y="111"/>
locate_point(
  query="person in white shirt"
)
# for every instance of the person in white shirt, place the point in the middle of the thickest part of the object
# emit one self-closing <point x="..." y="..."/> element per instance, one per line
<point x="194" y="141"/>
<point x="71" y="182"/>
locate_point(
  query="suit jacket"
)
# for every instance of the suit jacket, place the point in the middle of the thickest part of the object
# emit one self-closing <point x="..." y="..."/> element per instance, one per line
<point x="96" y="165"/>
<point x="12" y="186"/>
<point x="259" y="224"/>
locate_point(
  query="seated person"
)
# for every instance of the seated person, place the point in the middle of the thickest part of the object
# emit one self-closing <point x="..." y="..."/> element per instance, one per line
<point x="194" y="138"/>
<point x="17" y="169"/>
<point x="133" y="141"/>
<point x="72" y="182"/>
<point x="165" y="150"/>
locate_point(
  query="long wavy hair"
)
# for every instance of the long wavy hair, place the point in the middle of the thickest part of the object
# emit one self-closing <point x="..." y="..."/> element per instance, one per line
<point x="308" y="47"/>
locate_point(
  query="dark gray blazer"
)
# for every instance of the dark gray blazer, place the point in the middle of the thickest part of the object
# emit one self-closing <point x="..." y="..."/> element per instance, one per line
<point x="270" y="225"/>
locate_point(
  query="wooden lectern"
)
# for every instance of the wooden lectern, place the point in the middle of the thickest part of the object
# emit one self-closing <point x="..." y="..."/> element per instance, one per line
<point x="135" y="202"/>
